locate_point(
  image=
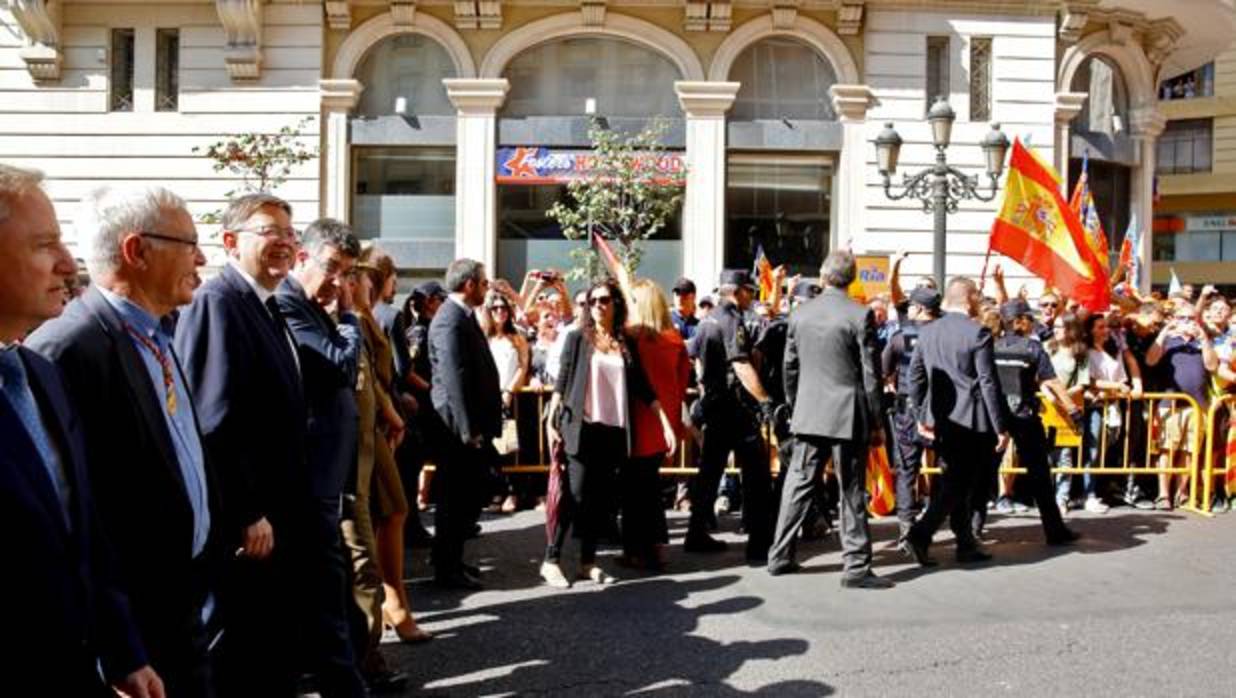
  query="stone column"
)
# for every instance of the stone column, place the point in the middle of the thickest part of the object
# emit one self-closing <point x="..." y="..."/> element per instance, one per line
<point x="338" y="99"/>
<point x="850" y="102"/>
<point x="1068" y="105"/>
<point x="1147" y="124"/>
<point x="703" y="215"/>
<point x="476" y="228"/>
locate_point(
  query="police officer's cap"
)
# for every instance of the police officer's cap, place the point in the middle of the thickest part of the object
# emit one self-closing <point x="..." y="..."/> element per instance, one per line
<point x="684" y="286"/>
<point x="1014" y="309"/>
<point x="928" y="298"/>
<point x="737" y="277"/>
<point x="806" y="290"/>
<point x="430" y="289"/>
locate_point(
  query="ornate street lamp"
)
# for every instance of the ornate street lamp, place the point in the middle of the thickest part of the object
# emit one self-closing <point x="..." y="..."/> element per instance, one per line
<point x="940" y="187"/>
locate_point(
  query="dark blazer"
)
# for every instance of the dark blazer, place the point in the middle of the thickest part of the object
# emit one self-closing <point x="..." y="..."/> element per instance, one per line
<point x="136" y="479"/>
<point x="465" y="387"/>
<point x="391" y="322"/>
<point x="249" y="401"/>
<point x="573" y="375"/>
<point x="59" y="599"/>
<point x="329" y="356"/>
<point x="831" y="369"/>
<point x="953" y="376"/>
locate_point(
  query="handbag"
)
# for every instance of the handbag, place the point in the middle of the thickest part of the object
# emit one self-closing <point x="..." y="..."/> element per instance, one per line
<point x="508" y="442"/>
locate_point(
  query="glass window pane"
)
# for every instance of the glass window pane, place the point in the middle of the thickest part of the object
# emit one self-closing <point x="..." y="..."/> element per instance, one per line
<point x="1199" y="247"/>
<point x="937" y="70"/>
<point x="558" y="78"/>
<point x="405" y="194"/>
<point x="167" y="69"/>
<point x="1229" y="245"/>
<point x="121" y="70"/>
<point x="1108" y="98"/>
<point x="407" y="66"/>
<point x="782" y="79"/>
<point x="782" y="204"/>
<point x="980" y="78"/>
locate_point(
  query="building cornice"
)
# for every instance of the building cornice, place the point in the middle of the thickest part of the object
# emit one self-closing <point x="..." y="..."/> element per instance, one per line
<point x="242" y="27"/>
<point x="40" y="22"/>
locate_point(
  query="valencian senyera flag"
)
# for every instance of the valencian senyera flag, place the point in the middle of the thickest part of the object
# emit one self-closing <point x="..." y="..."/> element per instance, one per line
<point x="1082" y="203"/>
<point x="1036" y="229"/>
<point x="616" y="268"/>
<point x="1129" y="260"/>
<point x="763" y="272"/>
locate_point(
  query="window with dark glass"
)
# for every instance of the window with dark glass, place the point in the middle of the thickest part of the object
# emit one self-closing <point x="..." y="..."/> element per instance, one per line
<point x="1195" y="83"/>
<point x="1185" y="147"/>
<point x="937" y="69"/>
<point x="167" y="69"/>
<point x="782" y="203"/>
<point x="121" y="70"/>
<point x="782" y="78"/>
<point x="403" y="74"/>
<point x="980" y="78"/>
<point x="1106" y="110"/>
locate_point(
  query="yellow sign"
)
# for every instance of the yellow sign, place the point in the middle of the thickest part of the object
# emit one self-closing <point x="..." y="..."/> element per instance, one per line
<point x="872" y="279"/>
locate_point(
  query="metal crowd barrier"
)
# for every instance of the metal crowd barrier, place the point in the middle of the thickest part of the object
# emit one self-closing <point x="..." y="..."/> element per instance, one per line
<point x="1222" y="410"/>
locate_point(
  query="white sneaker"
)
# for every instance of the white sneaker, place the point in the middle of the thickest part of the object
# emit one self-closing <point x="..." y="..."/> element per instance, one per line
<point x="553" y="576"/>
<point x="722" y="505"/>
<point x="598" y="575"/>
<point x="1094" y="506"/>
<point x="1063" y="504"/>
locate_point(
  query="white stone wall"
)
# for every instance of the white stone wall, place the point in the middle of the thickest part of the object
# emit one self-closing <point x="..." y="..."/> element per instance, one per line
<point x="64" y="128"/>
<point x="1023" y="93"/>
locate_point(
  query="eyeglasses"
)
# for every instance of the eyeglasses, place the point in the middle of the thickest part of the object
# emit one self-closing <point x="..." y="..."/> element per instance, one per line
<point x="190" y="242"/>
<point x="273" y="232"/>
<point x="600" y="300"/>
<point x="503" y="308"/>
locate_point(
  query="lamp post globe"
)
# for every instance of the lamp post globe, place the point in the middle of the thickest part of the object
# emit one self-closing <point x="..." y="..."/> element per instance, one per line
<point x="941" y="117"/>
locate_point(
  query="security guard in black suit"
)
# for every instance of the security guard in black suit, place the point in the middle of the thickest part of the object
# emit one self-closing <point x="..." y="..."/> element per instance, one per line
<point x="907" y="445"/>
<point x="1023" y="367"/>
<point x="732" y="404"/>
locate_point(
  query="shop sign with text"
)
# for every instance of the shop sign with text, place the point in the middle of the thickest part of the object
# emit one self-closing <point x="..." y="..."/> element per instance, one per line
<point x="537" y="165"/>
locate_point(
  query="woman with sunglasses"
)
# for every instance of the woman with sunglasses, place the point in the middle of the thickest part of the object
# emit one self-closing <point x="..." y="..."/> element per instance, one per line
<point x="510" y="352"/>
<point x="591" y="413"/>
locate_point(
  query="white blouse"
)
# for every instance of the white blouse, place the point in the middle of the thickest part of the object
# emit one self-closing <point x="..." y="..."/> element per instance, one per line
<point x="605" y="399"/>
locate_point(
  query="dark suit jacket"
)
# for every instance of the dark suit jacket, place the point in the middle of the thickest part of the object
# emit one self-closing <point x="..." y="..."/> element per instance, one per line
<point x="953" y="376"/>
<point x="329" y="356"/>
<point x="465" y="387"/>
<point x="572" y="385"/>
<point x="137" y="482"/>
<point x="831" y="369"/>
<point x="391" y="322"/>
<point x="249" y="402"/>
<point x="61" y="606"/>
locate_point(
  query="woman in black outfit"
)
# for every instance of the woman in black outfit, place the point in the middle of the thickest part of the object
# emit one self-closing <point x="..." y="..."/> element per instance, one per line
<point x="591" y="413"/>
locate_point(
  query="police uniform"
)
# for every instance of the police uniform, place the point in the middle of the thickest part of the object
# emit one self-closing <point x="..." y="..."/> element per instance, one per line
<point x="1022" y="366"/>
<point x="729" y="423"/>
<point x="907" y="445"/>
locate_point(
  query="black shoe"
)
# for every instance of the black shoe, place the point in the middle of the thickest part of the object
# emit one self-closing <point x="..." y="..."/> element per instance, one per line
<point x="386" y="681"/>
<point x="916" y="550"/>
<point x="471" y="570"/>
<point x="457" y="580"/>
<point x="784" y="568"/>
<point x="867" y="581"/>
<point x="703" y="544"/>
<point x="972" y="555"/>
<point x="476" y="531"/>
<point x="1065" y="537"/>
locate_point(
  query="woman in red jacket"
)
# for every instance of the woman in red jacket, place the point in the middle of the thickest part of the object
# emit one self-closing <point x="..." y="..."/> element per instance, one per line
<point x="663" y="355"/>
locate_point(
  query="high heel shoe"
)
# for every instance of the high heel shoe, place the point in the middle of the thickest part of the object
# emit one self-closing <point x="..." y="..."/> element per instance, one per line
<point x="408" y="632"/>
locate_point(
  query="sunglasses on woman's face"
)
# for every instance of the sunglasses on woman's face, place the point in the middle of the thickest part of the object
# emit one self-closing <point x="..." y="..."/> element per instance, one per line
<point x="496" y="308"/>
<point x="600" y="300"/>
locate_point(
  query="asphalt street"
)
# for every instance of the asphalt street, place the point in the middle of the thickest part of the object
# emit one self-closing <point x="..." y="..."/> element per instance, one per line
<point x="1142" y="606"/>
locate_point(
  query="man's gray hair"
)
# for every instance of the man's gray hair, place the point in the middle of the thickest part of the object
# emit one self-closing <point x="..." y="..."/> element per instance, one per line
<point x="107" y="213"/>
<point x="328" y="231"/>
<point x="839" y="269"/>
<point x="242" y="208"/>
<point x="461" y="271"/>
<point x="15" y="182"/>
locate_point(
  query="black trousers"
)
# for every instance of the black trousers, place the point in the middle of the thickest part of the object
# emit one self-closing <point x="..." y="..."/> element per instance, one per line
<point x="174" y="636"/>
<point x="849" y="459"/>
<point x="461" y="484"/>
<point x="1031" y="442"/>
<point x="728" y="428"/>
<point x="907" y="447"/>
<point x="327" y="633"/>
<point x="643" y="517"/>
<point x="587" y="492"/>
<point x="961" y="455"/>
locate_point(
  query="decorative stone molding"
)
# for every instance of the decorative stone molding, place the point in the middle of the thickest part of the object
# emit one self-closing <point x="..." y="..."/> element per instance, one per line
<point x="593" y="12"/>
<point x="784" y="13"/>
<point x="850" y="17"/>
<point x="704" y="99"/>
<point x="476" y="96"/>
<point x="339" y="14"/>
<point x="1074" y="17"/>
<point x="403" y="12"/>
<point x="851" y="102"/>
<point x="1139" y="74"/>
<point x="339" y="95"/>
<point x="1069" y="105"/>
<point x="1161" y="39"/>
<point x="707" y="15"/>
<point x="1147" y="123"/>
<point x="478" y="14"/>
<point x="374" y="30"/>
<point x="242" y="26"/>
<point x="1121" y="32"/>
<point x="807" y="30"/>
<point x="40" y="22"/>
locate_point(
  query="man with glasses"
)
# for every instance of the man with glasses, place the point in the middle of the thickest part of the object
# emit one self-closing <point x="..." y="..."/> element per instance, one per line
<point x="243" y="372"/>
<point x="329" y="352"/>
<point x="148" y="472"/>
<point x="1049" y="310"/>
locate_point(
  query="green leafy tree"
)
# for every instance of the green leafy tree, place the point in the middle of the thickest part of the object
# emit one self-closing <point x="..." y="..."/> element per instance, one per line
<point x="262" y="160"/>
<point x="627" y="195"/>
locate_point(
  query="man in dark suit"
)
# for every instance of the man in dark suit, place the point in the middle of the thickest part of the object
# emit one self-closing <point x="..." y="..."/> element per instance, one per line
<point x="63" y="611"/>
<point x="148" y="474"/>
<point x="955" y="392"/>
<point x="832" y="382"/>
<point x="467" y="397"/>
<point x="329" y="355"/>
<point x="243" y="373"/>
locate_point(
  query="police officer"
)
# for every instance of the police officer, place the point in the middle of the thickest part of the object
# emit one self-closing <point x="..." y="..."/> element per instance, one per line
<point x="907" y="445"/>
<point x="732" y="403"/>
<point x="1023" y="368"/>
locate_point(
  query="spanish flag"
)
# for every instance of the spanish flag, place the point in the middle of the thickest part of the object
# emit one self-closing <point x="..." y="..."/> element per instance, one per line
<point x="1036" y="229"/>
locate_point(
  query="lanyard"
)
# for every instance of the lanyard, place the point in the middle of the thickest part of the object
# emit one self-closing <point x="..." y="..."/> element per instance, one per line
<point x="169" y="382"/>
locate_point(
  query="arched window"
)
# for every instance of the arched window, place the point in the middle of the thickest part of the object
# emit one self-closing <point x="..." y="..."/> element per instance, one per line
<point x="624" y="80"/>
<point x="1107" y="109"/>
<point x="782" y="78"/>
<point x="407" y="66"/>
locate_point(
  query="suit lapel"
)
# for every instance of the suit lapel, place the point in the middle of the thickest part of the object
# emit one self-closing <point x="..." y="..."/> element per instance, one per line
<point x="25" y="458"/>
<point x="278" y="348"/>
